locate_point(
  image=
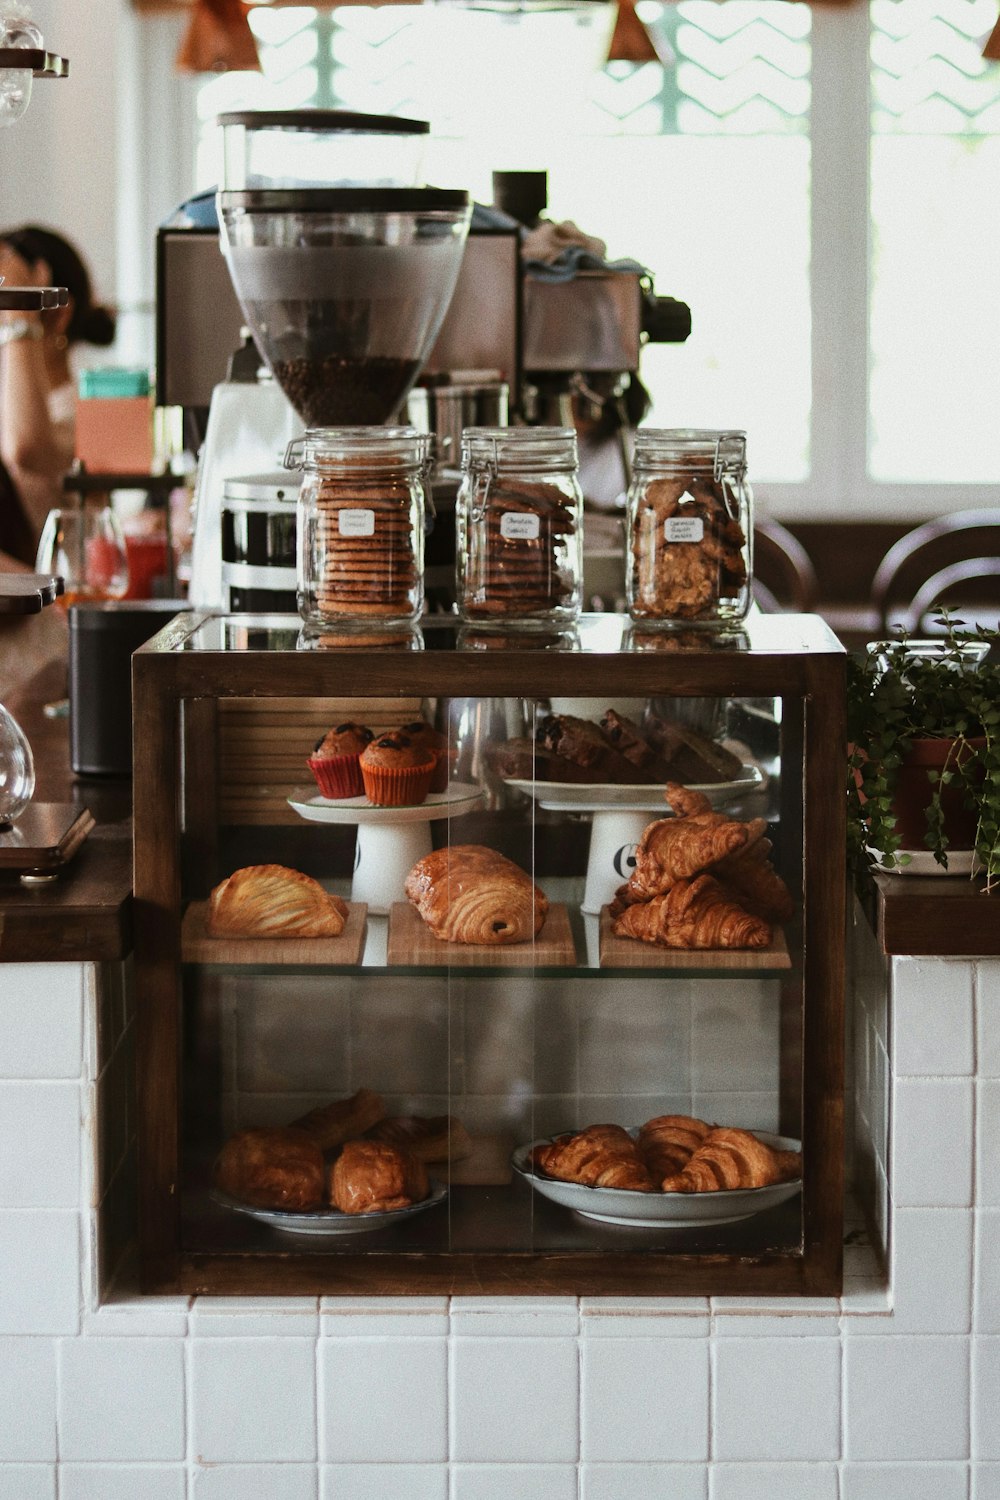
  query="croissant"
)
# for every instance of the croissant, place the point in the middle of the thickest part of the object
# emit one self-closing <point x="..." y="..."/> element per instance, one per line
<point x="667" y="1141"/>
<point x="332" y="1124"/>
<point x="470" y="894"/>
<point x="273" y="901"/>
<point x="277" y="1167"/>
<point x="673" y="849"/>
<point x="600" y="1156"/>
<point x="428" y="1138"/>
<point x="751" y="877"/>
<point x="371" y="1177"/>
<point x="726" y="1159"/>
<point x="694" y="914"/>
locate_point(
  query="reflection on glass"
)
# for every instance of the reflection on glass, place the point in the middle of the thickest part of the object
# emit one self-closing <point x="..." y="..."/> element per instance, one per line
<point x="17" y="769"/>
<point x="86" y="549"/>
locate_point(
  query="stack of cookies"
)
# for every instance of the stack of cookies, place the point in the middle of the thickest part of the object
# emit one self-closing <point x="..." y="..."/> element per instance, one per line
<point x="368" y="550"/>
<point x="521" y="550"/>
<point x="688" y="551"/>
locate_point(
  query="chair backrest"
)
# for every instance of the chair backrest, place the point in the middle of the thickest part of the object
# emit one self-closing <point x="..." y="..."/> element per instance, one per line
<point x="784" y="577"/>
<point x="974" y="584"/>
<point x="926" y="551"/>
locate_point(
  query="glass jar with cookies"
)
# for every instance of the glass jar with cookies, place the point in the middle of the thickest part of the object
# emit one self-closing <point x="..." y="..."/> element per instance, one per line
<point x="360" y="525"/>
<point x="519" y="527"/>
<point x="689" y="529"/>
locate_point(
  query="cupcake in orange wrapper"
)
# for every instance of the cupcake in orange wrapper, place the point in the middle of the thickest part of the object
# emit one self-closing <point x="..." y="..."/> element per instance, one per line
<point x="396" y="771"/>
<point x="334" y="761"/>
<point x="422" y="733"/>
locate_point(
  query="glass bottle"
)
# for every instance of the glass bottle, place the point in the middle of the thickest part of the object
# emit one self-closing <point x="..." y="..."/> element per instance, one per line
<point x="360" y="547"/>
<point x="519" y="527"/>
<point x="689" y="529"/>
<point x="17" y="769"/>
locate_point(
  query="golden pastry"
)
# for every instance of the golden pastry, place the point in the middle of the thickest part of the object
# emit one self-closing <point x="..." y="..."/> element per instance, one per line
<point x="273" y="901"/>
<point x="470" y="894"/>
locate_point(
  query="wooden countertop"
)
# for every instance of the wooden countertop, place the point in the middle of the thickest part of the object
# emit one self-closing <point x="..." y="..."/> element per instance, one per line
<point x="86" y="915"/>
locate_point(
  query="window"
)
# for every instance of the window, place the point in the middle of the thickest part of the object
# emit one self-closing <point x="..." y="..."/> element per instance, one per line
<point x="847" y="318"/>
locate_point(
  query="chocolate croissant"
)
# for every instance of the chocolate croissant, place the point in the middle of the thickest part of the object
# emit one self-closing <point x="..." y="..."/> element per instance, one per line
<point x="372" y="1177"/>
<point x="667" y="1141"/>
<point x="273" y="901"/>
<point x="694" y="914"/>
<point x="277" y="1167"/>
<point x="470" y="894"/>
<point x="729" y="1159"/>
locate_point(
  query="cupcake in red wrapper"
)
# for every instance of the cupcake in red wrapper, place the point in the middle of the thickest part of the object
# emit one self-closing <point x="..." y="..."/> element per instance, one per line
<point x="334" y="761"/>
<point x="423" y="734"/>
<point x="396" y="771"/>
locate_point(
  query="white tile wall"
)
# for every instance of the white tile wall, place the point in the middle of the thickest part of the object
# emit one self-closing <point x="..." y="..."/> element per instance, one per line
<point x="547" y="1399"/>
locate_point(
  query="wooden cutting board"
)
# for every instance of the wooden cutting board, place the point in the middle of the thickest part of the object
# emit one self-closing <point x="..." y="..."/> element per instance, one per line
<point x="411" y="943"/>
<point x="633" y="953"/>
<point x="198" y="948"/>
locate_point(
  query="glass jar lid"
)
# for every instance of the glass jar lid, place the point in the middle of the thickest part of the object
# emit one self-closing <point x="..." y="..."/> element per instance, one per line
<point x="520" y="449"/>
<point x="690" y="450"/>
<point x="361" y="449"/>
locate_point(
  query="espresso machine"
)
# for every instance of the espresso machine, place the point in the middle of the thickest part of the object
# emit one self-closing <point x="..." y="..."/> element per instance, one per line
<point x="342" y="268"/>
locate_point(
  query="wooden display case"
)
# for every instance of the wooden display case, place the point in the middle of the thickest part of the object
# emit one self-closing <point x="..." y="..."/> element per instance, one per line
<point x="519" y="1043"/>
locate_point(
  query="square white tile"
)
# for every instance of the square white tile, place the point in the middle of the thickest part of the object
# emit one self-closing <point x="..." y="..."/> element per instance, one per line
<point x="734" y="1036"/>
<point x="121" y="1400"/>
<point x="985" y="1482"/>
<point x="987" y="987"/>
<point x="505" y="1481"/>
<point x="931" y="1274"/>
<point x="906" y="1397"/>
<point x="538" y="1021"/>
<point x="40" y="1127"/>
<point x="30" y="1481"/>
<point x="673" y="1377"/>
<point x="932" y="1017"/>
<point x="41" y="1021"/>
<point x="383" y="1482"/>
<point x="249" y="1482"/>
<point x="789" y="1481"/>
<point x="904" y="1482"/>
<point x="776" y="1398"/>
<point x="383" y="1400"/>
<point x="123" y="1482"/>
<point x="631" y="1041"/>
<point x="253" y="1400"/>
<point x="643" y="1481"/>
<point x="40" y="1254"/>
<point x="931" y="1152"/>
<point x="986" y="1292"/>
<point x="511" y="1403"/>
<point x="297" y="1042"/>
<point x="988" y="1143"/>
<point x="27" y="1401"/>
<point x="985" y="1398"/>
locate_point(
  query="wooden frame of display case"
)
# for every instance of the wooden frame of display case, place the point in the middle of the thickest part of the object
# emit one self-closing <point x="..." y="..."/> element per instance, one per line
<point x="795" y="657"/>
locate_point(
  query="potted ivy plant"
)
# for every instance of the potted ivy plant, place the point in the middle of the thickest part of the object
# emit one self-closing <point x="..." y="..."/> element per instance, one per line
<point x="923" y="721"/>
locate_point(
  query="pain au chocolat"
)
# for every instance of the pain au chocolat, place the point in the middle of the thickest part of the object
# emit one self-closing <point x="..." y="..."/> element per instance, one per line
<point x="470" y="894"/>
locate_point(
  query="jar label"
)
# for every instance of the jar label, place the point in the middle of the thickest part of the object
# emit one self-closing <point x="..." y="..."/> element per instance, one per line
<point x="356" y="523"/>
<point x="683" y="529"/>
<point x="519" y="526"/>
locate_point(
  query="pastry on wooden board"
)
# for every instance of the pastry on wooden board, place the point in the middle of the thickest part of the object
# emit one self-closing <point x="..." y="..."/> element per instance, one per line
<point x="467" y="893"/>
<point x="273" y="1167"/>
<point x="272" y="901"/>
<point x="373" y="1177"/>
<point x="694" y="914"/>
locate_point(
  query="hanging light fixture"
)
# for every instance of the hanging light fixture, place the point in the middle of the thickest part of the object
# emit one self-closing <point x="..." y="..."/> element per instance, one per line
<point x="218" y="39"/>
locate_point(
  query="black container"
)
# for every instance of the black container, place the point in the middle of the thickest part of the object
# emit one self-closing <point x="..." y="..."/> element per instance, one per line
<point x="102" y="638"/>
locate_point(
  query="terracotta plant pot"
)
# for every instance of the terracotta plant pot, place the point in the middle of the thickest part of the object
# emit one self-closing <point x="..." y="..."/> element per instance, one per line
<point x="913" y="794"/>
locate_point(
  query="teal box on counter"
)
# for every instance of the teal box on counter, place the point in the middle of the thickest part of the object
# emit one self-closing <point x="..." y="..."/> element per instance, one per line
<point x="114" y="420"/>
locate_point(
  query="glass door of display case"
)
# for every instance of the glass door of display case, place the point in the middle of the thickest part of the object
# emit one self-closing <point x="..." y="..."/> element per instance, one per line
<point x="493" y="964"/>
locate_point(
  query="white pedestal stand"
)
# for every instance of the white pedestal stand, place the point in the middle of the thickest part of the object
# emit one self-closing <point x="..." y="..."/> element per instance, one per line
<point x="614" y="835"/>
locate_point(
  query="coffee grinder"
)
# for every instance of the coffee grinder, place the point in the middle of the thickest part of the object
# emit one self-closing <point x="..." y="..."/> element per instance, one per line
<point x="343" y="268"/>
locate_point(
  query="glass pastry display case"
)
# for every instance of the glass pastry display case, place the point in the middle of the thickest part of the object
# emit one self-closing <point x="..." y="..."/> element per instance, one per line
<point x="473" y="962"/>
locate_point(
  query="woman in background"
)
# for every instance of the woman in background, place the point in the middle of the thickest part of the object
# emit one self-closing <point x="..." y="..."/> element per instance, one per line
<point x="37" y="391"/>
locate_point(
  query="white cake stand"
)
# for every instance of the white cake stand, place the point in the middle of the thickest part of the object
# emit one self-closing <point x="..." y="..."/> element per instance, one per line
<point x="390" y="839"/>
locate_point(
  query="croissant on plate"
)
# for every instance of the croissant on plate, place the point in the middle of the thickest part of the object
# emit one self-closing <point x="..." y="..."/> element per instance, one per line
<point x="331" y="1125"/>
<point x="730" y="1158"/>
<point x="372" y="1177"/>
<point x="470" y="894"/>
<point x="427" y="1137"/>
<point x="273" y="901"/>
<point x="694" y="914"/>
<point x="673" y="849"/>
<point x="601" y="1156"/>
<point x="273" y="1167"/>
<point x="667" y="1141"/>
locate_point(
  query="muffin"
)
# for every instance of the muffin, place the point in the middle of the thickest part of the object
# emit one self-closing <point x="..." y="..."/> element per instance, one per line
<point x="334" y="761"/>
<point x="423" y="734"/>
<point x="396" y="771"/>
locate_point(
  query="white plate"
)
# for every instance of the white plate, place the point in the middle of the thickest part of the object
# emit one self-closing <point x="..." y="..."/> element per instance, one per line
<point x="330" y="1221"/>
<point x="922" y="862"/>
<point x="588" y="797"/>
<point x="660" y="1210"/>
<point x="460" y="797"/>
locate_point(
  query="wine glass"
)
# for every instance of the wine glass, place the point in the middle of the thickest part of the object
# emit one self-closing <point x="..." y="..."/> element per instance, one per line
<point x="85" y="547"/>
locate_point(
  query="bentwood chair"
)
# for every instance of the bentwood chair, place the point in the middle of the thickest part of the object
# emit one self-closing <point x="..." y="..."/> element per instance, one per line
<point x="954" y="560"/>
